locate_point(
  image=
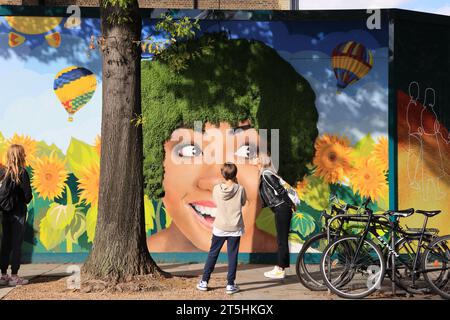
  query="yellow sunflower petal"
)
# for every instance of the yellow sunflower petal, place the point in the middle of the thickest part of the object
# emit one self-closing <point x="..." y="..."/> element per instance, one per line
<point x="368" y="179"/>
<point x="332" y="158"/>
<point x="89" y="182"/>
<point x="49" y="176"/>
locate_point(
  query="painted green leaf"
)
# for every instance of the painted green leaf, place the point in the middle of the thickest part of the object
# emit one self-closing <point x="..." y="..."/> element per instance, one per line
<point x="91" y="222"/>
<point x="266" y="221"/>
<point x="43" y="149"/>
<point x="77" y="227"/>
<point x="303" y="224"/>
<point x="168" y="218"/>
<point x="50" y="237"/>
<point x="294" y="237"/>
<point x="149" y="213"/>
<point x="317" y="193"/>
<point x="364" y="147"/>
<point x="80" y="155"/>
<point x="60" y="216"/>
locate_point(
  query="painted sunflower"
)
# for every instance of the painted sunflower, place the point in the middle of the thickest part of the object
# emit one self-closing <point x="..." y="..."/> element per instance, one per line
<point x="2" y="156"/>
<point x="301" y="188"/>
<point x="368" y="179"/>
<point x="382" y="152"/>
<point x="27" y="142"/>
<point x="89" y="182"/>
<point x="333" y="158"/>
<point x="49" y="176"/>
<point x="98" y="145"/>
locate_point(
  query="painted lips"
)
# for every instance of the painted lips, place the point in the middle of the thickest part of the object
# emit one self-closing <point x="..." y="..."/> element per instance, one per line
<point x="205" y="212"/>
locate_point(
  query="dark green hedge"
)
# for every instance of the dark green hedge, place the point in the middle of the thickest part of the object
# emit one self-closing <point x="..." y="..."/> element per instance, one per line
<point x="234" y="81"/>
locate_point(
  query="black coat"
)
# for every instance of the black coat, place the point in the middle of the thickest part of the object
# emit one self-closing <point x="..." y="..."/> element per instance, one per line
<point x="22" y="192"/>
<point x="272" y="191"/>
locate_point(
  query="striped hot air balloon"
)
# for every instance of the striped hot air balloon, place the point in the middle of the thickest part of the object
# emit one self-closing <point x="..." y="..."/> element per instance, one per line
<point x="351" y="61"/>
<point x="74" y="87"/>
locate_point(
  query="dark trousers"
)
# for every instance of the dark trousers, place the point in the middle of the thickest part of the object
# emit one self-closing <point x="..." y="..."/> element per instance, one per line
<point x="12" y="238"/>
<point x="283" y="216"/>
<point x="232" y="250"/>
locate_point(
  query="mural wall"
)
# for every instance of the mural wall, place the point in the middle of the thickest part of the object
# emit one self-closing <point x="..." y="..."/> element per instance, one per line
<point x="51" y="90"/>
<point x="423" y="119"/>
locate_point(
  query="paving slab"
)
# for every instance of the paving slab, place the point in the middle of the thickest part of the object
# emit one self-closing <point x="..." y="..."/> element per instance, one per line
<point x="250" y="278"/>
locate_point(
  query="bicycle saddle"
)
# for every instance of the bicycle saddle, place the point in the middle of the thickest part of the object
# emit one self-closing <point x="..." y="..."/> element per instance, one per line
<point x="401" y="213"/>
<point x="429" y="213"/>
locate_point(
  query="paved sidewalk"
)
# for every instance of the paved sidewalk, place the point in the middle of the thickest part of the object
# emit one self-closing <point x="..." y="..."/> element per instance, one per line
<point x="254" y="286"/>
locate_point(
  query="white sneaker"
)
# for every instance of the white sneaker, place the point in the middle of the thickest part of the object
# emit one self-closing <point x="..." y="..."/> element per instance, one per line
<point x="275" y="273"/>
<point x="202" y="286"/>
<point x="232" y="288"/>
<point x="4" y="280"/>
<point x="17" y="281"/>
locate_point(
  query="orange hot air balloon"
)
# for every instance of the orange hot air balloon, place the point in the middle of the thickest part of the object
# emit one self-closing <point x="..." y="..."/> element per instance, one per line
<point x="351" y="61"/>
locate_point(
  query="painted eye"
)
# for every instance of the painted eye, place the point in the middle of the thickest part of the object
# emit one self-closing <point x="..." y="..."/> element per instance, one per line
<point x="189" y="151"/>
<point x="246" y="151"/>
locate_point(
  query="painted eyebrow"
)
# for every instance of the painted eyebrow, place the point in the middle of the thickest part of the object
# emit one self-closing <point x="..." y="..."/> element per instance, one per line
<point x="236" y="130"/>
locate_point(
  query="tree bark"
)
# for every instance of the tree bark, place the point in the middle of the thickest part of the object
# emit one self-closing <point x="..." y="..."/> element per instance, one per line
<point x="120" y="248"/>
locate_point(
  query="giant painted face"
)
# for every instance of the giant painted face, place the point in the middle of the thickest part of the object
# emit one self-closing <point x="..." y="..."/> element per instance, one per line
<point x="192" y="170"/>
<point x="243" y="82"/>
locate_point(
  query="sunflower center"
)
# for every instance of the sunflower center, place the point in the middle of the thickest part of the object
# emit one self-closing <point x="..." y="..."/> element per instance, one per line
<point x="48" y="176"/>
<point x="367" y="176"/>
<point x="332" y="156"/>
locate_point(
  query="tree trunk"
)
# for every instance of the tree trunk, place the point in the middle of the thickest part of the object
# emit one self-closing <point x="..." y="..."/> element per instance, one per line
<point x="120" y="248"/>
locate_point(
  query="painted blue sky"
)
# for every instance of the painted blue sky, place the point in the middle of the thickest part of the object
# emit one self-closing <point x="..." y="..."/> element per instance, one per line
<point x="433" y="6"/>
<point x="29" y="105"/>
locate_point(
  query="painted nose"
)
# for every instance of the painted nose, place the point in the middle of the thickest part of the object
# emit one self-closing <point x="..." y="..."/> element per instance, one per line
<point x="210" y="179"/>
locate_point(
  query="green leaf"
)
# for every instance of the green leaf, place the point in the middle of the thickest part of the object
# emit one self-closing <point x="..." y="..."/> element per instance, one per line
<point x="364" y="147"/>
<point x="266" y="221"/>
<point x="43" y="149"/>
<point x="149" y="213"/>
<point x="294" y="237"/>
<point x="91" y="222"/>
<point x="303" y="224"/>
<point x="168" y="218"/>
<point x="50" y="237"/>
<point x="317" y="193"/>
<point x="77" y="227"/>
<point x="60" y="216"/>
<point x="80" y="155"/>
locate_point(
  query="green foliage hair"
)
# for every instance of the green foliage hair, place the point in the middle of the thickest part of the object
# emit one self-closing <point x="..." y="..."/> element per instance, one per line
<point x="227" y="80"/>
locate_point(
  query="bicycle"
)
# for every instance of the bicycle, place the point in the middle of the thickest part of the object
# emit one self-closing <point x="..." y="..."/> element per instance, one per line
<point x="355" y="266"/>
<point x="309" y="255"/>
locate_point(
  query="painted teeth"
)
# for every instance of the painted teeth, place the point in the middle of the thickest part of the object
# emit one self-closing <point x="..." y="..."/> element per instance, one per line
<point x="205" y="210"/>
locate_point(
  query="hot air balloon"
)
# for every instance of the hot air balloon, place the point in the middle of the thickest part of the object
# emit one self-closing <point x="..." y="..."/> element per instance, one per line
<point x="74" y="87"/>
<point x="31" y="26"/>
<point x="351" y="61"/>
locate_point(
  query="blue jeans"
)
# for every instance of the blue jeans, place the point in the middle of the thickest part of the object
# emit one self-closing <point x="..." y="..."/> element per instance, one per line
<point x="232" y="250"/>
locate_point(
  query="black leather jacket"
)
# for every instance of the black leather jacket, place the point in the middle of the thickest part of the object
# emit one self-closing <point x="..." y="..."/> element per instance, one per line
<point x="271" y="191"/>
<point x="23" y="193"/>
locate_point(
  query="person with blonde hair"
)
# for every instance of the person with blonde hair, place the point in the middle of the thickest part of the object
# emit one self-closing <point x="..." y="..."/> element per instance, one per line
<point x="15" y="176"/>
<point x="274" y="195"/>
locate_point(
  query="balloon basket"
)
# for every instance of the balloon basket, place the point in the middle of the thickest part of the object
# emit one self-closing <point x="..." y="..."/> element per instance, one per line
<point x="70" y="119"/>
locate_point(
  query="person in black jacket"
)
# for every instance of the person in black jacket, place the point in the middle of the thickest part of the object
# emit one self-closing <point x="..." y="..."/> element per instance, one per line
<point x="13" y="221"/>
<point x="275" y="196"/>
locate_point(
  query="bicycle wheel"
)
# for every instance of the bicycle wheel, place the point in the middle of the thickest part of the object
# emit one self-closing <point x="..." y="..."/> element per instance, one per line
<point x="436" y="263"/>
<point x="308" y="262"/>
<point x="351" y="273"/>
<point x="407" y="248"/>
